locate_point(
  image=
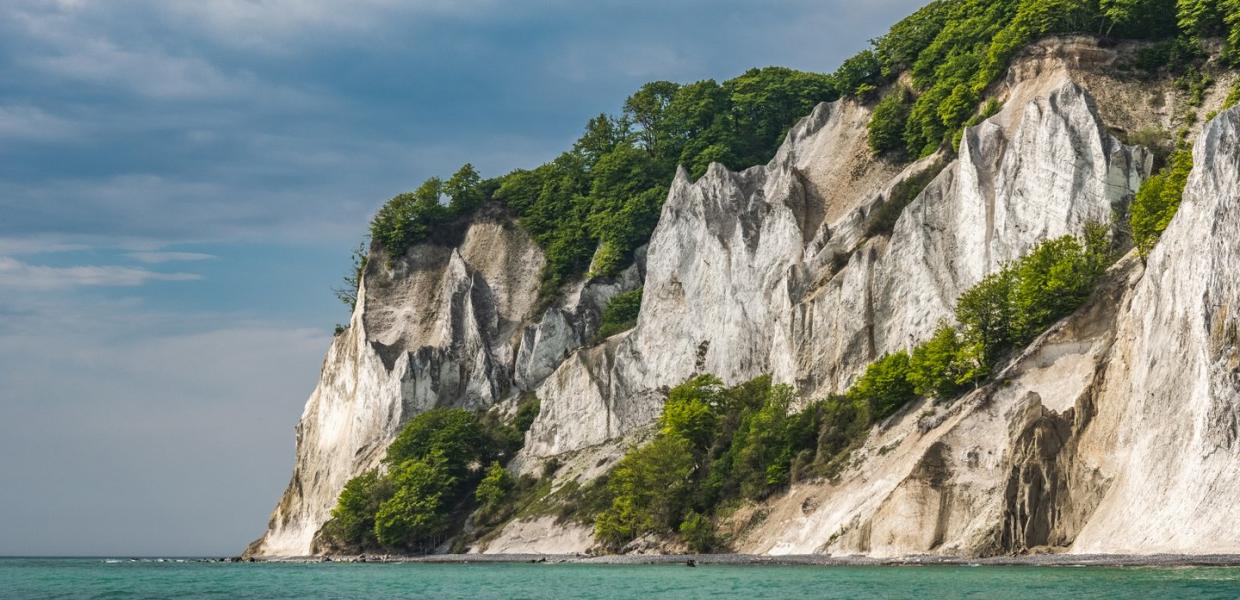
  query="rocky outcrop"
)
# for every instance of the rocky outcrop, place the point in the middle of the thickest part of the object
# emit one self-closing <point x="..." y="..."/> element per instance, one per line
<point x="1166" y="435"/>
<point x="439" y="327"/>
<point x="1116" y="431"/>
<point x="745" y="275"/>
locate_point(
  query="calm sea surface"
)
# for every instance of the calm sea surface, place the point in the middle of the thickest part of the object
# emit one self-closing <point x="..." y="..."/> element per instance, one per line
<point x="99" y="578"/>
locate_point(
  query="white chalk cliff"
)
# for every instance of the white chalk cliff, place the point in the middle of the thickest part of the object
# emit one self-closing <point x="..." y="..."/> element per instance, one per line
<point x="1118" y="431"/>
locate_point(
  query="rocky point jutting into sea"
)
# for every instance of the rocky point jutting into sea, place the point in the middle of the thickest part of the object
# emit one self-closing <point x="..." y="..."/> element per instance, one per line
<point x="1117" y="431"/>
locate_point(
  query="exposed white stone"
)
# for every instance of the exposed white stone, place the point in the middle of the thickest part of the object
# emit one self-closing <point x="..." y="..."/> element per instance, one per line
<point x="736" y="284"/>
<point x="1118" y="431"/>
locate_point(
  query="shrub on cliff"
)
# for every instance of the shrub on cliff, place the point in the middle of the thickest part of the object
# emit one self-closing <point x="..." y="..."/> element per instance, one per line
<point x="493" y="489"/>
<point x="885" y="385"/>
<point x="620" y="314"/>
<point x="411" y="218"/>
<point x="937" y="367"/>
<point x="886" y="128"/>
<point x="1158" y="200"/>
<point x="650" y="489"/>
<point x="353" y="519"/>
<point x="434" y="467"/>
<point x="416" y="516"/>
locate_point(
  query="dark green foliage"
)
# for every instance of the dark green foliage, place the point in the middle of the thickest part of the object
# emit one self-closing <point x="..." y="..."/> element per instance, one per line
<point x="527" y="412"/>
<point x="1012" y="306"/>
<point x="411" y="218"/>
<point x="1205" y="18"/>
<point x="955" y="50"/>
<point x="691" y="410"/>
<point x="620" y="314"/>
<point x="1053" y="280"/>
<point x="937" y="367"/>
<point x="883" y="220"/>
<point x="650" y="490"/>
<point x="434" y="467"/>
<point x="493" y="489"/>
<point x="699" y="533"/>
<point x="886" y="128"/>
<point x="593" y="206"/>
<point x="860" y="75"/>
<point x="844" y="422"/>
<point x="1158" y="200"/>
<point x="353" y="518"/>
<point x="416" y="516"/>
<point x="885" y="385"/>
<point x="1148" y="19"/>
<point x="904" y="43"/>
<point x="454" y="435"/>
<point x="985" y="314"/>
<point x="1233" y="96"/>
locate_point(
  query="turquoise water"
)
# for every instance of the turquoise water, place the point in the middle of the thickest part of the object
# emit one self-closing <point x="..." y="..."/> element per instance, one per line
<point x="95" y="578"/>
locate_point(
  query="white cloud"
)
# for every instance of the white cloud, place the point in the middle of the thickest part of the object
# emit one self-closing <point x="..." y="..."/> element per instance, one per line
<point x="277" y="26"/>
<point x="28" y="123"/>
<point x="155" y="258"/>
<point x="16" y="274"/>
<point x="10" y="246"/>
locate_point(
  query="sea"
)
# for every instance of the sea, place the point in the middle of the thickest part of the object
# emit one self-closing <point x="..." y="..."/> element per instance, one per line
<point x="113" y="578"/>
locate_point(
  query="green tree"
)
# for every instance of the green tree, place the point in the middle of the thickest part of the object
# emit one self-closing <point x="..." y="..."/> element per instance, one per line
<point x="985" y="314"/>
<point x="845" y="420"/>
<point x="699" y="533"/>
<point x="907" y="39"/>
<point x="353" y="280"/>
<point x="602" y="135"/>
<point x="936" y="369"/>
<point x="464" y="191"/>
<point x="353" y="518"/>
<point x="886" y="128"/>
<point x="648" y="108"/>
<point x="493" y="488"/>
<point x="415" y="517"/>
<point x="1158" y="200"/>
<point x="1200" y="18"/>
<point x="650" y="488"/>
<point x="859" y="75"/>
<point x="1048" y="283"/>
<point x="1139" y="18"/>
<point x="407" y="219"/>
<point x="690" y="410"/>
<point x="454" y="435"/>
<point x="885" y="385"/>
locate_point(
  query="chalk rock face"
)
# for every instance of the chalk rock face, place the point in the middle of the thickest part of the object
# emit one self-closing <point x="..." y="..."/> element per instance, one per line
<point x="439" y="327"/>
<point x="1116" y="432"/>
<point x="746" y="274"/>
<point x="1167" y="432"/>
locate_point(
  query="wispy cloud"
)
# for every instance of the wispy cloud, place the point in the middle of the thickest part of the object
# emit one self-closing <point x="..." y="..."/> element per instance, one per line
<point x="28" y="123"/>
<point x="11" y="246"/>
<point x="15" y="274"/>
<point x="155" y="258"/>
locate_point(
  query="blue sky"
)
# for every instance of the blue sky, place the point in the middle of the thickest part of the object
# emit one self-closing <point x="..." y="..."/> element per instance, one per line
<point x="181" y="183"/>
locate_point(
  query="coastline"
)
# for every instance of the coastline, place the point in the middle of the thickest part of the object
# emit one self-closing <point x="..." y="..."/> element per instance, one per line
<point x="1033" y="560"/>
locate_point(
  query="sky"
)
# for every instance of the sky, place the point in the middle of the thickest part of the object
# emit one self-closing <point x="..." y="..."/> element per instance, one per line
<point x="182" y="182"/>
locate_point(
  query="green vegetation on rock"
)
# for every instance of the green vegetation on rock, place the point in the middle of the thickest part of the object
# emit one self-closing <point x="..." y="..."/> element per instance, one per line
<point x="620" y="314"/>
<point x="717" y="446"/>
<point x="434" y="473"/>
<point x="1158" y="200"/>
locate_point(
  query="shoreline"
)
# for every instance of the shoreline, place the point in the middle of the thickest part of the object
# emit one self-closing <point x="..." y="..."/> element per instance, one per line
<point x="1035" y="560"/>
